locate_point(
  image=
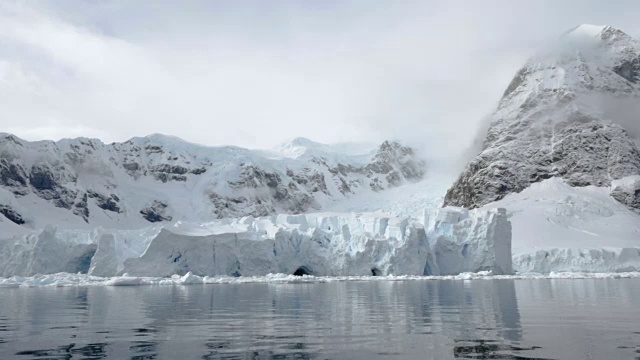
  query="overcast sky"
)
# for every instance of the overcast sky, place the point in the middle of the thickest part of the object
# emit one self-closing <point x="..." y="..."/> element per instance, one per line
<point x="254" y="73"/>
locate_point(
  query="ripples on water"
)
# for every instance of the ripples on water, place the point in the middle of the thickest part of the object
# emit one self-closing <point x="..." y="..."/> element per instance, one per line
<point x="445" y="319"/>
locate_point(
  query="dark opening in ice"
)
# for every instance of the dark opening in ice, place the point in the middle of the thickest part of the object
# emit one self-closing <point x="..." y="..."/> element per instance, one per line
<point x="302" y="270"/>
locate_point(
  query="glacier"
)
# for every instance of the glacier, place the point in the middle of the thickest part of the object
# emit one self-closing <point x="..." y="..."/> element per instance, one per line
<point x="448" y="241"/>
<point x="555" y="189"/>
<point x="548" y="228"/>
<point x="560" y="228"/>
<point x="556" y="228"/>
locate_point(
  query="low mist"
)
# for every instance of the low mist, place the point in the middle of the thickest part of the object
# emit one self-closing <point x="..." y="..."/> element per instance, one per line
<point x="253" y="74"/>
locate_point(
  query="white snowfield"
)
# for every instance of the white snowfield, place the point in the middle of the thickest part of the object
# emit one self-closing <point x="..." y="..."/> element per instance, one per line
<point x="453" y="241"/>
<point x="560" y="228"/>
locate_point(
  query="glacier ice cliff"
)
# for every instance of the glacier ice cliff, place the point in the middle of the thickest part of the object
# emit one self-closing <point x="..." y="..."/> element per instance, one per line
<point x="445" y="242"/>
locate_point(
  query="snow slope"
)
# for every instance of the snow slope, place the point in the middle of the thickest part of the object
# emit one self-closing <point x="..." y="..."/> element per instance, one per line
<point x="557" y="227"/>
<point x="407" y="200"/>
<point x="552" y="214"/>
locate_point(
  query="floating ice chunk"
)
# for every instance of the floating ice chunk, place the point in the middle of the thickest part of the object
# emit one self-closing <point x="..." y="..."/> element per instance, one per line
<point x="65" y="279"/>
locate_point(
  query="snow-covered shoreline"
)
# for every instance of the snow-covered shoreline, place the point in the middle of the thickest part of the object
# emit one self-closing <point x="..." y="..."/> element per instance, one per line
<point x="81" y="280"/>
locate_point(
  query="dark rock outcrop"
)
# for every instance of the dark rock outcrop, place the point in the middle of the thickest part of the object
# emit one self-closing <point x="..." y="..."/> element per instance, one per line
<point x="14" y="177"/>
<point x="81" y="208"/>
<point x="275" y="193"/>
<point x="628" y="194"/>
<point x="104" y="202"/>
<point x="310" y="179"/>
<point x="167" y="172"/>
<point x="11" y="214"/>
<point x="156" y="212"/>
<point x="42" y="179"/>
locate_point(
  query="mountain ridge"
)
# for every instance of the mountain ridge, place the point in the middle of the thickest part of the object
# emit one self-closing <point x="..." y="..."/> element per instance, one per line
<point x="161" y="178"/>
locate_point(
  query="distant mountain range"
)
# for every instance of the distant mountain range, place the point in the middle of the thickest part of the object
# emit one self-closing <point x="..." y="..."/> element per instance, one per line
<point x="84" y="182"/>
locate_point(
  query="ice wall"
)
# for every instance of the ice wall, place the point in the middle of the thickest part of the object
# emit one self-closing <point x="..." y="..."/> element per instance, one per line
<point x="603" y="260"/>
<point x="47" y="252"/>
<point x="474" y="241"/>
<point x="100" y="252"/>
<point x="449" y="241"/>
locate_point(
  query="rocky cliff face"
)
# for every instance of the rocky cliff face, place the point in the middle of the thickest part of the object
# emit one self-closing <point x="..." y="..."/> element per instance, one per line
<point x="555" y="120"/>
<point x="159" y="178"/>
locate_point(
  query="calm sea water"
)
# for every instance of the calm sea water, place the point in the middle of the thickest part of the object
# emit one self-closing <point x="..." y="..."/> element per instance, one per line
<point x="443" y="319"/>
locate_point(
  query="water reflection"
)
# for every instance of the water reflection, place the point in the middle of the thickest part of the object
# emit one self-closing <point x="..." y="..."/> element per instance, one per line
<point x="486" y="319"/>
<point x="490" y="349"/>
<point x="143" y="350"/>
<point x="93" y="351"/>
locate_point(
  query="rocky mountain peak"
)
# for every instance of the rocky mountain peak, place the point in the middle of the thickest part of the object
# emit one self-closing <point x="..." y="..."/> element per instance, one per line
<point x="585" y="59"/>
<point x="588" y="31"/>
<point x="555" y="119"/>
<point x="393" y="157"/>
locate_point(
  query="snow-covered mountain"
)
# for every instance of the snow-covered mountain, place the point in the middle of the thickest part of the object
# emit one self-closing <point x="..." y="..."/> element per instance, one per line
<point x="561" y="155"/>
<point x="556" y="187"/>
<point x="571" y="112"/>
<point x="86" y="183"/>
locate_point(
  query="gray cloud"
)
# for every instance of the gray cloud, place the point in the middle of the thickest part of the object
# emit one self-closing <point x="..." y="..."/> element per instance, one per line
<point x="256" y="73"/>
